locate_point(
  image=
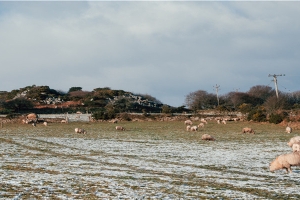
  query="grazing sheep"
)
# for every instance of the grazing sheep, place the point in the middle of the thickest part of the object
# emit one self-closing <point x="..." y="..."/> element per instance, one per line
<point x="45" y="123"/>
<point x="79" y="130"/>
<point x="203" y="120"/>
<point x="296" y="147"/>
<point x="285" y="161"/>
<point x="120" y="128"/>
<point x="288" y="129"/>
<point x="194" y="128"/>
<point x="293" y="140"/>
<point x="188" y="128"/>
<point x="207" y="137"/>
<point x="248" y="130"/>
<point x="201" y="125"/>
<point x="63" y="121"/>
<point x="188" y="122"/>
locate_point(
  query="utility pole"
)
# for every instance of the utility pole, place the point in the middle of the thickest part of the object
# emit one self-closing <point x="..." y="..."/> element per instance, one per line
<point x="217" y="90"/>
<point x="275" y="81"/>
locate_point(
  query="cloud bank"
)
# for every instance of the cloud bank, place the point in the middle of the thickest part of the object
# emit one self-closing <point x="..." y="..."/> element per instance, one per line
<point x="165" y="49"/>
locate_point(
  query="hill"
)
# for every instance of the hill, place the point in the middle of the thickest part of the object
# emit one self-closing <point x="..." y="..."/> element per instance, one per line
<point x="43" y="99"/>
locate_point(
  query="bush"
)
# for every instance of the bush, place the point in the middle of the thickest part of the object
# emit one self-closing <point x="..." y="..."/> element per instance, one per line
<point x="257" y="115"/>
<point x="275" y="118"/>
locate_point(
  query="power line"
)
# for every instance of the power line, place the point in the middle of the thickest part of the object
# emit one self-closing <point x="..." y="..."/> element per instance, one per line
<point x="275" y="81"/>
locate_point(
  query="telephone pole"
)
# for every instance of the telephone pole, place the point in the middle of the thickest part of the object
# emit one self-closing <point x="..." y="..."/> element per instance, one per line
<point x="275" y="81"/>
<point x="217" y="90"/>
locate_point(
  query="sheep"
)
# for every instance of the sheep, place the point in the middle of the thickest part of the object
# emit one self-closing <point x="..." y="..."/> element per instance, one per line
<point x="45" y="123"/>
<point x="194" y="128"/>
<point x="201" y="125"/>
<point x="285" y="161"/>
<point x="188" y="122"/>
<point x="288" y="129"/>
<point x="207" y="137"/>
<point x="188" y="128"/>
<point x="120" y="128"/>
<point x="296" y="147"/>
<point x="79" y="130"/>
<point x="203" y="120"/>
<point x="293" y="140"/>
<point x="248" y="130"/>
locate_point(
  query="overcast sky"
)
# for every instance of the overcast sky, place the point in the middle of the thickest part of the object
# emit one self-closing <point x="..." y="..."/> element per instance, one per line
<point x="164" y="49"/>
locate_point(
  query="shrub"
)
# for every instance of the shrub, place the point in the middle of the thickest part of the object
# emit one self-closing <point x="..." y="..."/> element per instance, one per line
<point x="257" y="115"/>
<point x="275" y="118"/>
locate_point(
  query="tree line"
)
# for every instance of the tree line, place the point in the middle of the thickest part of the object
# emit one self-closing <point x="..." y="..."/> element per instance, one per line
<point x="260" y="103"/>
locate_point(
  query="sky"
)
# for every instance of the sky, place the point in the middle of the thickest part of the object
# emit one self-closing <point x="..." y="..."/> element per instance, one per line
<point x="164" y="49"/>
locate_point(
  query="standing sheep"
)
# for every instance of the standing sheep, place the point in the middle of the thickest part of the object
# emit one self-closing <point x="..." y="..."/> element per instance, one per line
<point x="293" y="140"/>
<point x="207" y="137"/>
<point x="285" y="161"/>
<point x="248" y="130"/>
<point x="120" y="128"/>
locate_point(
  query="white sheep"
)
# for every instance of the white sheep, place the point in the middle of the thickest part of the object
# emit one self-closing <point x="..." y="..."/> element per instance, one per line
<point x="45" y="123"/>
<point x="207" y="137"/>
<point x="293" y="140"/>
<point x="188" y="128"/>
<point x="120" y="128"/>
<point x="79" y="130"/>
<point x="285" y="161"/>
<point x="203" y="120"/>
<point x="201" y="125"/>
<point x="288" y="129"/>
<point x="296" y="147"/>
<point x="188" y="122"/>
<point x="194" y="128"/>
<point x="248" y="130"/>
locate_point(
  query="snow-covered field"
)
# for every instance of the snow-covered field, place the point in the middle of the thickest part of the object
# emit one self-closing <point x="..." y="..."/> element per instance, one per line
<point x="38" y="165"/>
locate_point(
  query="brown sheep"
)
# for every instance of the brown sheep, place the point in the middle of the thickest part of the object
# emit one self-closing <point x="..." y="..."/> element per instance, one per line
<point x="207" y="137"/>
<point x="293" y="140"/>
<point x="120" y="128"/>
<point x="285" y="161"/>
<point x="248" y="130"/>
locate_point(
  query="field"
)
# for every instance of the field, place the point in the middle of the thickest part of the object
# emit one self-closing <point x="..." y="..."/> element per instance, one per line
<point x="150" y="160"/>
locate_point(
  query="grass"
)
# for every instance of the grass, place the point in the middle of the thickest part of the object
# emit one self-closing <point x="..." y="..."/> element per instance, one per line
<point x="156" y="136"/>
